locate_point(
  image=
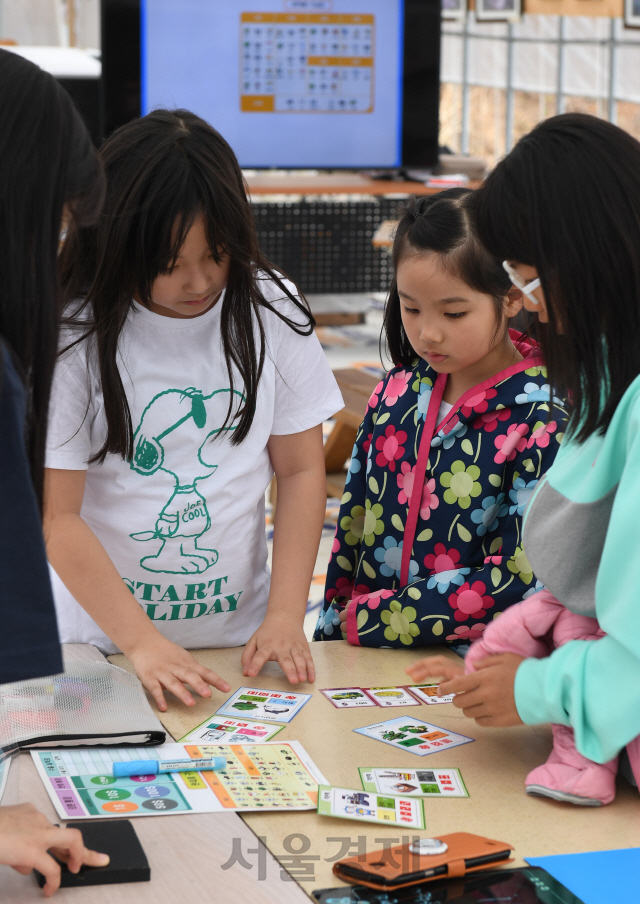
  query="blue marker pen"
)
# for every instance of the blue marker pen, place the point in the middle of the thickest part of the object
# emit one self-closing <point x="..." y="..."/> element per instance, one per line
<point x="152" y="767"/>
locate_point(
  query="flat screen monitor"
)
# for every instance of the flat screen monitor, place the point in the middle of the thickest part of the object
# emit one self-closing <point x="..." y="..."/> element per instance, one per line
<point x="332" y="84"/>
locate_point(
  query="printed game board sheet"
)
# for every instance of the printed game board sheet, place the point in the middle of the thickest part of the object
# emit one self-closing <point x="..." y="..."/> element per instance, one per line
<point x="232" y="731"/>
<point x="414" y="782"/>
<point x="258" y="703"/>
<point x="391" y="696"/>
<point x="270" y="776"/>
<point x="348" y="696"/>
<point x="366" y="806"/>
<point x="428" y="693"/>
<point x="414" y="735"/>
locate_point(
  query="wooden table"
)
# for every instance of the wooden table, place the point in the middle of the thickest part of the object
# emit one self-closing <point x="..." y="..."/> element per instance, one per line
<point x="356" y="387"/>
<point x="186" y="853"/>
<point x="493" y="768"/>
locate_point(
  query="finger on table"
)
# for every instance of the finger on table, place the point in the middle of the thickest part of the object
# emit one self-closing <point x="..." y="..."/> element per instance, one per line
<point x="434" y="667"/>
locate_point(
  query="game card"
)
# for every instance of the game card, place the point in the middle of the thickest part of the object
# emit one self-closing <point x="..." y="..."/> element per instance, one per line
<point x="415" y="735"/>
<point x="391" y="696"/>
<point x="428" y="693"/>
<point x="231" y="731"/>
<point x="366" y="806"/>
<point x="257" y="703"/>
<point x="348" y="696"/>
<point x="414" y="782"/>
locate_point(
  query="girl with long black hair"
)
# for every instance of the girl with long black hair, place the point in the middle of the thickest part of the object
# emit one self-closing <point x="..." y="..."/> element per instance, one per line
<point x="563" y="209"/>
<point x="190" y="375"/>
<point x="49" y="175"/>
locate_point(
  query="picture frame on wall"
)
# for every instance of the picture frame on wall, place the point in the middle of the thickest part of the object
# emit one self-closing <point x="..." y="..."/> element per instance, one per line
<point x="500" y="10"/>
<point x="454" y="9"/>
<point x="632" y="13"/>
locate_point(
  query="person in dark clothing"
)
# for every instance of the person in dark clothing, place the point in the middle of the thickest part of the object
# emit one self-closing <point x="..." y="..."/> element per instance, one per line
<point x="50" y="181"/>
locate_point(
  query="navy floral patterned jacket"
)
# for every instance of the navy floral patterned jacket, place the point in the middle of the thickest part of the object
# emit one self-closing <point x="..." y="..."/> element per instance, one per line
<point x="466" y="562"/>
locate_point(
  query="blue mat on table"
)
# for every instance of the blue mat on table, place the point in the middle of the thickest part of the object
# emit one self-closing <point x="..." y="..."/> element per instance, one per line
<point x="597" y="876"/>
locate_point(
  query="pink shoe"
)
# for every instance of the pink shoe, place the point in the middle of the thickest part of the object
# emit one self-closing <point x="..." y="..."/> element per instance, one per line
<point x="571" y="777"/>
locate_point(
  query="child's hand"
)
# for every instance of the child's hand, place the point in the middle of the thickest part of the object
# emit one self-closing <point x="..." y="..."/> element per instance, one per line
<point x="343" y="614"/>
<point x="27" y="839"/>
<point x="487" y="695"/>
<point x="435" y="667"/>
<point x="161" y="664"/>
<point x="277" y="639"/>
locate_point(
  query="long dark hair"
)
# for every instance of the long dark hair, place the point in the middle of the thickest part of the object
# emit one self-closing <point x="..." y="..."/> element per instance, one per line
<point x="46" y="161"/>
<point x="566" y="201"/>
<point x="163" y="171"/>
<point x="441" y="223"/>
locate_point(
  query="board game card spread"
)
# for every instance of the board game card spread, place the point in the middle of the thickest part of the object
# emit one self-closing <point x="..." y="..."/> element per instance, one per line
<point x="366" y="806"/>
<point x="428" y="693"/>
<point x="348" y="696"/>
<point x="415" y="735"/>
<point x="232" y="731"/>
<point x="391" y="696"/>
<point x="414" y="782"/>
<point x="272" y="776"/>
<point x="260" y="704"/>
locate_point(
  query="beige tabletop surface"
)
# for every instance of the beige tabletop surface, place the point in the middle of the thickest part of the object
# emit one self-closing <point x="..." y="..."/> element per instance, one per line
<point x="186" y="853"/>
<point x="493" y="768"/>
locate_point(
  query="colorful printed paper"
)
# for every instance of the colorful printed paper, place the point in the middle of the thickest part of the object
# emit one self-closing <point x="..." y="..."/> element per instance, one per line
<point x="258" y="703"/>
<point x="232" y="731"/>
<point x="391" y="696"/>
<point x="414" y="735"/>
<point x="365" y="806"/>
<point x="348" y="696"/>
<point x="414" y="782"/>
<point x="272" y="776"/>
<point x="428" y="693"/>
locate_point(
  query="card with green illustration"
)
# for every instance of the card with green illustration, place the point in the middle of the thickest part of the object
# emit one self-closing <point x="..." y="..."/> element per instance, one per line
<point x="414" y="735"/>
<point x="232" y="731"/>
<point x="366" y="806"/>
<point x="414" y="782"/>
<point x="258" y="703"/>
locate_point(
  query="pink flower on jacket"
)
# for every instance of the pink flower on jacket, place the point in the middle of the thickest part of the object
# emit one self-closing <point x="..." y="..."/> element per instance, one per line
<point x="470" y="600"/>
<point x="372" y="600"/>
<point x="336" y="543"/>
<point x="542" y="435"/>
<point x="396" y="386"/>
<point x="479" y="402"/>
<point x="489" y="420"/>
<point x="374" y="398"/>
<point x="344" y="588"/>
<point x="390" y="447"/>
<point x="510" y="443"/>
<point x="443" y="560"/>
<point x="467" y="632"/>
<point x="405" y="483"/>
<point x="367" y="443"/>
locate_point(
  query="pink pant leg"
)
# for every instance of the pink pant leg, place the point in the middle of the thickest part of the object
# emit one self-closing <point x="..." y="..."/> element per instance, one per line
<point x="533" y="628"/>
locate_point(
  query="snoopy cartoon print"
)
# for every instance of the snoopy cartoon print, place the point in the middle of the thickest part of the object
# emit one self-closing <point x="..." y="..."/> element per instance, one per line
<point x="176" y="435"/>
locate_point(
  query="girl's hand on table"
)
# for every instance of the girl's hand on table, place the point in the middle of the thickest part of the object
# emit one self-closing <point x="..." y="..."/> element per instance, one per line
<point x="435" y="667"/>
<point x="278" y="640"/>
<point x="163" y="665"/>
<point x="487" y="695"/>
<point x="25" y="838"/>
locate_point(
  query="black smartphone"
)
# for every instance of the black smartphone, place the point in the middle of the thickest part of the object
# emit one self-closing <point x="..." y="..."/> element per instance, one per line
<point x="115" y="837"/>
<point x="531" y="885"/>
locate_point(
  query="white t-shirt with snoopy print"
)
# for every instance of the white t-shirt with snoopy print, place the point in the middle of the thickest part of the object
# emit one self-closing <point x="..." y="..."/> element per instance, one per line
<point x="184" y="522"/>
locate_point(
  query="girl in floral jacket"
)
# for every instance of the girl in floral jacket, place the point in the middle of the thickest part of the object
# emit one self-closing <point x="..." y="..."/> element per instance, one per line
<point x="428" y="545"/>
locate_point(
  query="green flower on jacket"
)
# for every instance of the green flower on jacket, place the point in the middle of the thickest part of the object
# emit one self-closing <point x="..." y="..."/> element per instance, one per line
<point x="401" y="623"/>
<point x="461" y="484"/>
<point x="354" y="525"/>
<point x="373" y="525"/>
<point x="538" y="371"/>
<point x="519" y="564"/>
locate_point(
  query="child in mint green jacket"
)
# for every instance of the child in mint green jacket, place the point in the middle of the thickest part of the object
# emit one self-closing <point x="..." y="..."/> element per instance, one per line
<point x="563" y="209"/>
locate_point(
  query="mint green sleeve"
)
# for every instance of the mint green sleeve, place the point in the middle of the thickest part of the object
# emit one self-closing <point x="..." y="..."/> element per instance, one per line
<point x="594" y="686"/>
